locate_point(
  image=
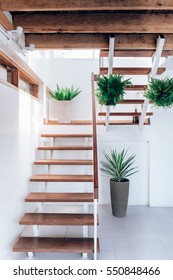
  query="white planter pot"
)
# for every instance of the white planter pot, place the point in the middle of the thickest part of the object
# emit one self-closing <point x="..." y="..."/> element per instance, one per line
<point x="64" y="111"/>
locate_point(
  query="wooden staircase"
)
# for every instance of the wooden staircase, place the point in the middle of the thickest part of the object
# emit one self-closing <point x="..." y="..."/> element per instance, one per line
<point x="86" y="194"/>
<point x="36" y="243"/>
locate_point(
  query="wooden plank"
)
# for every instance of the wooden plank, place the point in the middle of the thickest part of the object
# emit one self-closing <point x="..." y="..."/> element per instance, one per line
<point x="123" y="122"/>
<point x="57" y="219"/>
<point x="130" y="71"/>
<point x="61" y="178"/>
<point x="132" y="101"/>
<point x="124" y="114"/>
<point x="65" y="148"/>
<point x="67" y="41"/>
<point x="15" y="77"/>
<point x="84" y="5"/>
<point x="4" y="21"/>
<point x="134" y="53"/>
<point x="52" y="244"/>
<point x="136" y="88"/>
<point x="63" y="162"/>
<point x="97" y="41"/>
<point x="54" y="135"/>
<point x="35" y="90"/>
<point x="59" y="197"/>
<point x="94" y="22"/>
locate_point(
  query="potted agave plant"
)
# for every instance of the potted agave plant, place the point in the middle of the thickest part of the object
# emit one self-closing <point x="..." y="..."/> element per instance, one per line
<point x="63" y="97"/>
<point x="160" y="92"/>
<point x="118" y="167"/>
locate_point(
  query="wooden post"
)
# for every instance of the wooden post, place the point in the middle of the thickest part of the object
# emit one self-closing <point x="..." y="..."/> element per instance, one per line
<point x="15" y="77"/>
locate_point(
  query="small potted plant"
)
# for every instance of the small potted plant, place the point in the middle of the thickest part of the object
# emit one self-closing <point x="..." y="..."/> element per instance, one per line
<point x="119" y="167"/>
<point x="63" y="97"/>
<point x="160" y="92"/>
<point x="111" y="89"/>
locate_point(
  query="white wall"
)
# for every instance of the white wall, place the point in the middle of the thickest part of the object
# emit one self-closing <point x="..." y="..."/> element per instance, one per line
<point x="161" y="155"/>
<point x="19" y="116"/>
<point x="161" y="152"/>
<point x="76" y="72"/>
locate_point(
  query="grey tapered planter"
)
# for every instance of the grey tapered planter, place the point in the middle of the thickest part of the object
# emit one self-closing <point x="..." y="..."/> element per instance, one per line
<point x="119" y="197"/>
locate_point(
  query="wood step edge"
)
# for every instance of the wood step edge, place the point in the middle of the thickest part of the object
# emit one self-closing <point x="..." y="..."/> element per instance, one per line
<point x="52" y="135"/>
<point x="61" y="178"/>
<point x="123" y="122"/>
<point x="54" y="244"/>
<point x="125" y="114"/>
<point x="63" y="162"/>
<point x="63" y="219"/>
<point x="62" y="148"/>
<point x="131" y="70"/>
<point x="59" y="197"/>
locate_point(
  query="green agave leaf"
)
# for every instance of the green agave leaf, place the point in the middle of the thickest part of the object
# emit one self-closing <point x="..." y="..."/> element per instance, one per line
<point x="117" y="165"/>
<point x="65" y="93"/>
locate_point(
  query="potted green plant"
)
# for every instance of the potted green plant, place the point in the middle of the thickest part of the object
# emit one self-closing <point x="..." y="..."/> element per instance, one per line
<point x="118" y="167"/>
<point x="111" y="89"/>
<point x="63" y="97"/>
<point x="160" y="92"/>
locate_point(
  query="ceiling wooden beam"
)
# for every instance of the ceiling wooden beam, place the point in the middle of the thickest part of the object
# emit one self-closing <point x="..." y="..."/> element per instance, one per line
<point x="97" y="41"/>
<point x="94" y="22"/>
<point x="68" y="41"/>
<point x="4" y="21"/>
<point x="83" y="5"/>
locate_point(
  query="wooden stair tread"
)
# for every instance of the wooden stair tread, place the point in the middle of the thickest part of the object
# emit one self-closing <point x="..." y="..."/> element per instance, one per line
<point x="65" y="148"/>
<point x="59" y="197"/>
<point x="51" y="244"/>
<point x="123" y="122"/>
<point x="130" y="71"/>
<point x="135" y="88"/>
<point x="66" y="135"/>
<point x="133" y="114"/>
<point x="120" y="122"/>
<point x="134" y="53"/>
<point x="132" y="101"/>
<point x="61" y="178"/>
<point x="63" y="162"/>
<point x="57" y="219"/>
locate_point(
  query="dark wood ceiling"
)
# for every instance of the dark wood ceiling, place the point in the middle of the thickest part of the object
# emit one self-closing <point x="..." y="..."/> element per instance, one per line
<point x="88" y="24"/>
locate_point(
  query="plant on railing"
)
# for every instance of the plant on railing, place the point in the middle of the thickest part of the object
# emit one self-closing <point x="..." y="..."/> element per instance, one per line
<point x="160" y="92"/>
<point x="65" y="94"/>
<point x="111" y="89"/>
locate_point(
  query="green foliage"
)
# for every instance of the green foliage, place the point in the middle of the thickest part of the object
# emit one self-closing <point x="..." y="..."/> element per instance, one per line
<point x="64" y="94"/>
<point x="111" y="89"/>
<point x="160" y="92"/>
<point x="117" y="166"/>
